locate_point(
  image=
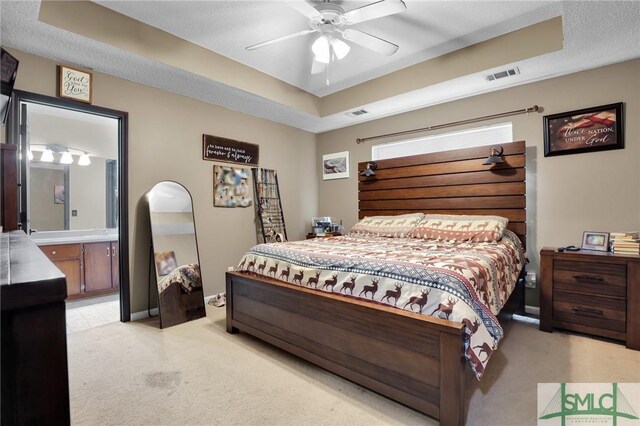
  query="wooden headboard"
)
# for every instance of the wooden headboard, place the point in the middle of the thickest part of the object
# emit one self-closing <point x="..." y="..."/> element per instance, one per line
<point x="450" y="182"/>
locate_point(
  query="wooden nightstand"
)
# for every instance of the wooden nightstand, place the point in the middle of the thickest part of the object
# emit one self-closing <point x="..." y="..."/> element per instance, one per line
<point x="328" y="235"/>
<point x="591" y="292"/>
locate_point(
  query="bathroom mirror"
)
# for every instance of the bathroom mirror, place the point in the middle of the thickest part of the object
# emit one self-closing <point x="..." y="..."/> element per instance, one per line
<point x="175" y="254"/>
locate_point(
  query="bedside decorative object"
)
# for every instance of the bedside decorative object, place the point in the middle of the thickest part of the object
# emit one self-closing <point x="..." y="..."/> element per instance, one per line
<point x="598" y="241"/>
<point x="75" y="84"/>
<point x="591" y="292"/>
<point x="585" y="130"/>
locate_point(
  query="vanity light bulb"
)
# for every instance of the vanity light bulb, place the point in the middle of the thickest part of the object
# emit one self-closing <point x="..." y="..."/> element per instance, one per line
<point x="47" y="156"/>
<point x="84" y="160"/>
<point x="66" y="158"/>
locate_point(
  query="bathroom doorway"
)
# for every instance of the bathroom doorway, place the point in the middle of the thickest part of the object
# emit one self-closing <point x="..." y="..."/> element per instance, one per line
<point x="73" y="198"/>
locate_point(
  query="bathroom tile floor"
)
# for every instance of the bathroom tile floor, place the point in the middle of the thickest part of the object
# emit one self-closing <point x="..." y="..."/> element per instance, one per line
<point x="94" y="312"/>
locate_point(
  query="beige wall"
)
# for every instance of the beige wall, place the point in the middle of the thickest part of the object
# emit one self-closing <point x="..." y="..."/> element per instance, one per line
<point x="165" y="133"/>
<point x="566" y="195"/>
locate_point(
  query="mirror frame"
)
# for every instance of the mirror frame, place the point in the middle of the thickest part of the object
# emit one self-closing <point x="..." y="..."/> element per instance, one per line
<point x="13" y="137"/>
<point x="152" y="251"/>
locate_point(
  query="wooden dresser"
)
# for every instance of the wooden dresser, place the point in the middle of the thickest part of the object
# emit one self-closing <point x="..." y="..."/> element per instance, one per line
<point x="591" y="292"/>
<point x="35" y="384"/>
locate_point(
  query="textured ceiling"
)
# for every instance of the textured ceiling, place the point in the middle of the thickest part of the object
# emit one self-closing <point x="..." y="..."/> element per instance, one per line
<point x="426" y="30"/>
<point x="595" y="34"/>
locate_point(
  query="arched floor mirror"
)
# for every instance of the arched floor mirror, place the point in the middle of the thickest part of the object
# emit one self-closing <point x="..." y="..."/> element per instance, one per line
<point x="175" y="254"/>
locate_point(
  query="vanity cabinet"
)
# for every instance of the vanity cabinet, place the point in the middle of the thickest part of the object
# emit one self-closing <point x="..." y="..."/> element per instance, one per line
<point x="90" y="268"/>
<point x="97" y="271"/>
<point x="68" y="258"/>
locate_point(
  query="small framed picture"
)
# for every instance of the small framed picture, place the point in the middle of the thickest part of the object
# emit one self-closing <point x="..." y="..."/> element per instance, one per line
<point x="595" y="241"/>
<point x="165" y="262"/>
<point x="75" y="84"/>
<point x="335" y="166"/>
<point x="58" y="194"/>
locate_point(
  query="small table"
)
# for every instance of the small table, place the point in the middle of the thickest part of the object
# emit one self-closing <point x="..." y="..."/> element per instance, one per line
<point x="327" y="235"/>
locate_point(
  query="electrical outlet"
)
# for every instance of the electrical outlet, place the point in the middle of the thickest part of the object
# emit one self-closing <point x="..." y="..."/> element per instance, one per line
<point x="530" y="280"/>
<point x="231" y="268"/>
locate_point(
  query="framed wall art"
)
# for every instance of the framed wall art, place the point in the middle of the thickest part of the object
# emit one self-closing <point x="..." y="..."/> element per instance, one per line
<point x="595" y="241"/>
<point x="75" y="84"/>
<point x="335" y="166"/>
<point x="586" y="130"/>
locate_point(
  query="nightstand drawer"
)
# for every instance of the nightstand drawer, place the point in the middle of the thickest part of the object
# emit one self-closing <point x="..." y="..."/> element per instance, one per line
<point x="598" y="312"/>
<point x="590" y="282"/>
<point x="593" y="268"/>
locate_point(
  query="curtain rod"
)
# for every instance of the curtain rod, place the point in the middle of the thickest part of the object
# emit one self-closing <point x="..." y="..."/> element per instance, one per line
<point x="534" y="108"/>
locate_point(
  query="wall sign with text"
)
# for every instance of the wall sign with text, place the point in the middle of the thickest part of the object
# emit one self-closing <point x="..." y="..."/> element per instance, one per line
<point x="215" y="148"/>
<point x="75" y="84"/>
<point x="591" y="129"/>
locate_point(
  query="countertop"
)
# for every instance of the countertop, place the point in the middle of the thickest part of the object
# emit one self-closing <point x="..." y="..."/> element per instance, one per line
<point x="29" y="278"/>
<point x="73" y="237"/>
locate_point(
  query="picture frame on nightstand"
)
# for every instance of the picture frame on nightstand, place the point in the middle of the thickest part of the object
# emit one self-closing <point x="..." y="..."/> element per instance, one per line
<point x="597" y="241"/>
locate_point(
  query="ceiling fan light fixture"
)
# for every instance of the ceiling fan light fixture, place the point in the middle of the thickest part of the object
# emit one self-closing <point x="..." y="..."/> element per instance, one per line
<point x="320" y="48"/>
<point x="340" y="48"/>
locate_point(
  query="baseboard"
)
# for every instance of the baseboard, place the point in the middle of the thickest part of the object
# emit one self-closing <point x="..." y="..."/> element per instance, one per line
<point x="532" y="310"/>
<point x="136" y="316"/>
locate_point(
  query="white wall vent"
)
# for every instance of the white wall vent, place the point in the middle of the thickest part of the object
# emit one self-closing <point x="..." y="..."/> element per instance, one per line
<point x="503" y="74"/>
<point x="357" y="113"/>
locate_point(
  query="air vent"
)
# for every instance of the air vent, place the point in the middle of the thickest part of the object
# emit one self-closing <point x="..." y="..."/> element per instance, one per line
<point x="357" y="112"/>
<point x="503" y="74"/>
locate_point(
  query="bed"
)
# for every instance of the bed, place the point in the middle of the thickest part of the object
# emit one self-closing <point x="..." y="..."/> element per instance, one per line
<point x="356" y="305"/>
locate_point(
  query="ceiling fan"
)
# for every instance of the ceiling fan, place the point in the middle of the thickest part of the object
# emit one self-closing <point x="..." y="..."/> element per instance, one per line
<point x="332" y="22"/>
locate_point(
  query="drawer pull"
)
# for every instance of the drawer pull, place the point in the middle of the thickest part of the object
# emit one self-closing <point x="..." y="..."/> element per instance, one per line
<point x="54" y="252"/>
<point x="587" y="311"/>
<point x="587" y="278"/>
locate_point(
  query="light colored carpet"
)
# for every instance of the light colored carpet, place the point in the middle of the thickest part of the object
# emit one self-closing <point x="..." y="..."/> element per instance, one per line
<point x="197" y="373"/>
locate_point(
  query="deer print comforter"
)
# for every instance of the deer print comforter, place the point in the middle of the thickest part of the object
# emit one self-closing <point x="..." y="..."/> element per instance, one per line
<point x="458" y="281"/>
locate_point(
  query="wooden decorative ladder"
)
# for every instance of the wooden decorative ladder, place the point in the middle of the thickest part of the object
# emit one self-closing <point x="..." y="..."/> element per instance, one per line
<point x="269" y="205"/>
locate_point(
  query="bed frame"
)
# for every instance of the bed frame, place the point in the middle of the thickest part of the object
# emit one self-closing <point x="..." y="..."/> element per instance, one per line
<point x="414" y="359"/>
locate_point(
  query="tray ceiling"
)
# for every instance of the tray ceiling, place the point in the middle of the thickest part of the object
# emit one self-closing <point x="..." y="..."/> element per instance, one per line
<point x="595" y="34"/>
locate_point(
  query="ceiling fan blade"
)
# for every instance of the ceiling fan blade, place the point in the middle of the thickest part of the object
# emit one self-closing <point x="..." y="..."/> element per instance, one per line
<point x="373" y="11"/>
<point x="305" y="8"/>
<point x="275" y="40"/>
<point x="370" y="42"/>
<point x="318" y="67"/>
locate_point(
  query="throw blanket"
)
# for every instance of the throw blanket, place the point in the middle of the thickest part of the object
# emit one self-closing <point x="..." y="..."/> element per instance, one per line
<point x="458" y="281"/>
<point x="188" y="276"/>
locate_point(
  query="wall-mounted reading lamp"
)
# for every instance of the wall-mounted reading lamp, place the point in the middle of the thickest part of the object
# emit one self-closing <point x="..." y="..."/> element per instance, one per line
<point x="370" y="169"/>
<point x="495" y="156"/>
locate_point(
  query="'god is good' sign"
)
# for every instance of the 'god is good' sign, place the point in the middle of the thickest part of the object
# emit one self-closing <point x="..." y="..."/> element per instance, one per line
<point x="75" y="84"/>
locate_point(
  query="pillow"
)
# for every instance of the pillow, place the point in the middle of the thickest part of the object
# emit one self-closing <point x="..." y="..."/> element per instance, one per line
<point x="387" y="226"/>
<point x="477" y="229"/>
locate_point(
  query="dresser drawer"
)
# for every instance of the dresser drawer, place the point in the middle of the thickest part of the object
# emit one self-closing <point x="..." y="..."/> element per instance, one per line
<point x="62" y="251"/>
<point x="599" y="283"/>
<point x="598" y="312"/>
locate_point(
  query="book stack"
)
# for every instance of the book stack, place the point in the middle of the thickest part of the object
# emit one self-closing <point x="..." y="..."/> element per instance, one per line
<point x="625" y="242"/>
